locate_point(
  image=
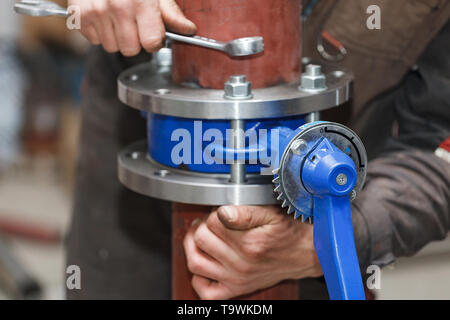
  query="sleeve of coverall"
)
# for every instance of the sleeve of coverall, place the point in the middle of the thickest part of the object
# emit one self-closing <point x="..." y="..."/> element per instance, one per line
<point x="406" y="200"/>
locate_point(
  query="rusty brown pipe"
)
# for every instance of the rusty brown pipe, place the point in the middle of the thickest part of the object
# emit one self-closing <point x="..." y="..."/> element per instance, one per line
<point x="278" y="22"/>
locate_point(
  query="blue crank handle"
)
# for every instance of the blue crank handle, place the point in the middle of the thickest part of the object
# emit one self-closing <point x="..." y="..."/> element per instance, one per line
<point x="335" y="246"/>
<point x="328" y="176"/>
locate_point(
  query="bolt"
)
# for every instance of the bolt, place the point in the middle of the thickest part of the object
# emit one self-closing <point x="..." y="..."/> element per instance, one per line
<point x="162" y="173"/>
<point x="162" y="91"/>
<point x="312" y="117"/>
<point x="313" y="79"/>
<point x="352" y="195"/>
<point x="306" y="60"/>
<point x="341" y="179"/>
<point x="238" y="79"/>
<point x="298" y="146"/>
<point x="164" y="57"/>
<point x="238" y="88"/>
<point x="313" y="70"/>
<point x="134" y="155"/>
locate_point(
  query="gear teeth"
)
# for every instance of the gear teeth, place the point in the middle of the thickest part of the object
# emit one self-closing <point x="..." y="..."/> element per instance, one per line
<point x="285" y="202"/>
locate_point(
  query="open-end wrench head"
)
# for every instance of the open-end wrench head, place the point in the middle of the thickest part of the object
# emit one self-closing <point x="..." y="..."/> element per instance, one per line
<point x="245" y="46"/>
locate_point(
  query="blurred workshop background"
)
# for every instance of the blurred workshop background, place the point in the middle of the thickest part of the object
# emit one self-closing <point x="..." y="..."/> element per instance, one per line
<point x="41" y="73"/>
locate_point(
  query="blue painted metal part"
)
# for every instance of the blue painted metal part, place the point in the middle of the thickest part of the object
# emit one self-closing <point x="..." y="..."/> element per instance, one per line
<point x="165" y="133"/>
<point x="333" y="230"/>
<point x="314" y="174"/>
<point x="303" y="199"/>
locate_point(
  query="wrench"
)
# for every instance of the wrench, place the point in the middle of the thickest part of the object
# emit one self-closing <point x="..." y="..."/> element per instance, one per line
<point x="234" y="48"/>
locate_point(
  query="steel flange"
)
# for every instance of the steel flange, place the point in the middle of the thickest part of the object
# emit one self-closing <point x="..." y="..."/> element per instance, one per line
<point x="140" y="173"/>
<point x="149" y="88"/>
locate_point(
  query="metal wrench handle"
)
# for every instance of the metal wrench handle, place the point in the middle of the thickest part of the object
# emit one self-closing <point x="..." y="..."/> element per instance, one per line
<point x="40" y="8"/>
<point x="198" y="41"/>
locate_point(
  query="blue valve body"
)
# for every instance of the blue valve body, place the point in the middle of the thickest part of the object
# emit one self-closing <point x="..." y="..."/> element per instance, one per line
<point x="164" y="134"/>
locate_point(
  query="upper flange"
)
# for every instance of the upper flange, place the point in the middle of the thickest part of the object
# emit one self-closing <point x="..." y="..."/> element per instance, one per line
<point x="149" y="88"/>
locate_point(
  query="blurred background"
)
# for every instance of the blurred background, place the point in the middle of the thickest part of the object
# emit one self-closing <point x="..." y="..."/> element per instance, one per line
<point x="41" y="76"/>
<point x="41" y="72"/>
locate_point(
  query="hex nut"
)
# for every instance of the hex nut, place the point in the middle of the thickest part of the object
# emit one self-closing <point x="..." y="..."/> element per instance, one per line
<point x="313" y="79"/>
<point x="298" y="146"/>
<point x="238" y="88"/>
<point x="313" y="82"/>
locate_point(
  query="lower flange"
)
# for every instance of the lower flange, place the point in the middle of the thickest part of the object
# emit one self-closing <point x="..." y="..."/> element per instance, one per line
<point x="140" y="173"/>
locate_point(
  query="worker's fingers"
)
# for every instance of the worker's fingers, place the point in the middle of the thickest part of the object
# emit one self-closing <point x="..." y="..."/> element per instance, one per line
<point x="150" y="25"/>
<point x="95" y="15"/>
<point x="210" y="290"/>
<point x="90" y="34"/>
<point x="212" y="245"/>
<point x="198" y="262"/>
<point x="249" y="243"/>
<point x="246" y="217"/>
<point x="105" y="30"/>
<point x="87" y="28"/>
<point x="174" y="18"/>
<point x="233" y="238"/>
<point x="126" y="31"/>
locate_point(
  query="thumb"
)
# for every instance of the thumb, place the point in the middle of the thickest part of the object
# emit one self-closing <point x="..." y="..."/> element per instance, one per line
<point x="246" y="217"/>
<point x="174" y="18"/>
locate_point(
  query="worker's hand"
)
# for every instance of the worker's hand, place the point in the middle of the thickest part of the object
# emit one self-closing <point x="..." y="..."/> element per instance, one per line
<point x="130" y="25"/>
<point x="240" y="249"/>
